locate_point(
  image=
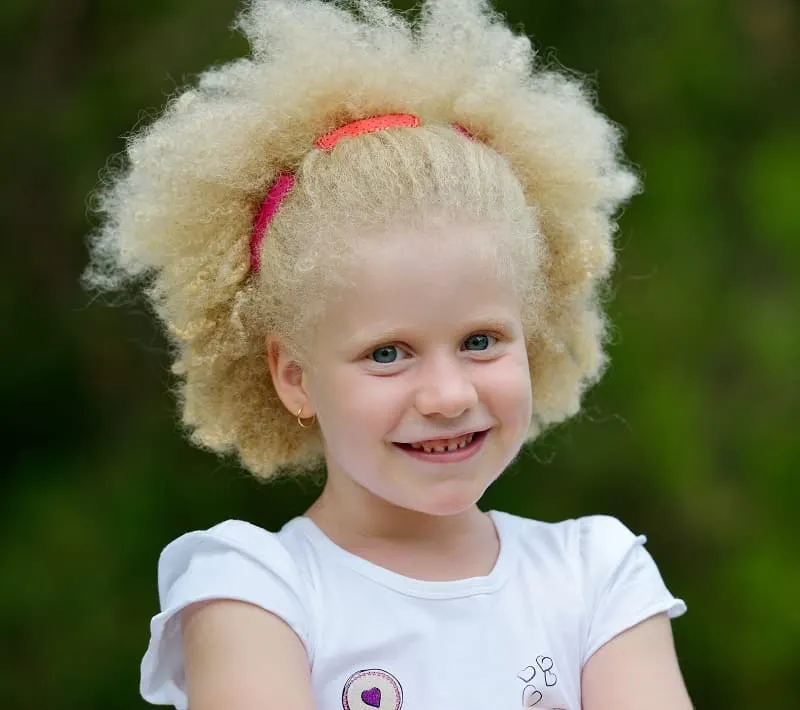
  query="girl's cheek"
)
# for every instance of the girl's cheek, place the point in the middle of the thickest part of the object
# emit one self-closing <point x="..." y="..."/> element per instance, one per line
<point x="509" y="377"/>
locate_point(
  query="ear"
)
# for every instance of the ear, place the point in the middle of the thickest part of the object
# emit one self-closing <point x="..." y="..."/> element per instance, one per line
<point x="288" y="377"/>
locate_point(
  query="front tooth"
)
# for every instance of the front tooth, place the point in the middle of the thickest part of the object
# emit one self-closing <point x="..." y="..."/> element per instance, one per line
<point x="451" y="445"/>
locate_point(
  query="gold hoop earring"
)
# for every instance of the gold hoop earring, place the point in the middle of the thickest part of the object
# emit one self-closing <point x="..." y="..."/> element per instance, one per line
<point x="310" y="421"/>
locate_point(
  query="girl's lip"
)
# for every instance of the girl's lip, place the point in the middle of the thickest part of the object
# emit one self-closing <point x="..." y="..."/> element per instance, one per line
<point x="444" y="438"/>
<point x="448" y="456"/>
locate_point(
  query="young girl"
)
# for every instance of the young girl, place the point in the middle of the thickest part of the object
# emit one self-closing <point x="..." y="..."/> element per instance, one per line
<point x="379" y="244"/>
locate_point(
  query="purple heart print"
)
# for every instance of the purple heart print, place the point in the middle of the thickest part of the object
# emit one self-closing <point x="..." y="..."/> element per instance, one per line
<point x="372" y="697"/>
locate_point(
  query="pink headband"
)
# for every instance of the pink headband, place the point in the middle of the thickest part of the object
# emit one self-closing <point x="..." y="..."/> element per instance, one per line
<point x="285" y="181"/>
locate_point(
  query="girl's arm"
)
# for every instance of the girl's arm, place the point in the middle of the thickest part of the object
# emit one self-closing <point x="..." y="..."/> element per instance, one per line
<point x="637" y="669"/>
<point x="240" y="657"/>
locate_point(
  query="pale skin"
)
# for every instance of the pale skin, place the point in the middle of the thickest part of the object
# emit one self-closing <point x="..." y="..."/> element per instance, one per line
<point x="396" y="362"/>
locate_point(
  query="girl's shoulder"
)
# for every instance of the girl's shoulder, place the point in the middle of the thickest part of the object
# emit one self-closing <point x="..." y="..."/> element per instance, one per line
<point x="230" y="542"/>
<point x="587" y="536"/>
<point x="589" y="552"/>
<point x="233" y="560"/>
<point x="597" y="562"/>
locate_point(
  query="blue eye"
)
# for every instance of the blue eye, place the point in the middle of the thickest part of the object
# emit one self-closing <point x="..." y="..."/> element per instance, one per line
<point x="385" y="355"/>
<point x="478" y="342"/>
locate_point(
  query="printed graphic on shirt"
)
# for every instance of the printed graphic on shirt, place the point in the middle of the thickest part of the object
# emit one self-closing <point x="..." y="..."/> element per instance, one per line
<point x="372" y="689"/>
<point x="545" y="676"/>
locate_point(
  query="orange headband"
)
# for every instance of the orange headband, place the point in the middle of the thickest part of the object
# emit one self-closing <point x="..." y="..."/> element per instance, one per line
<point x="285" y="181"/>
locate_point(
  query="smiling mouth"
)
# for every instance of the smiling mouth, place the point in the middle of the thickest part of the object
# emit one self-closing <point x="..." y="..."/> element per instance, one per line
<point x="443" y="446"/>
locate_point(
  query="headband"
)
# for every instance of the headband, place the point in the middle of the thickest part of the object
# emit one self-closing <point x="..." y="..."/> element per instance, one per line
<point x="285" y="181"/>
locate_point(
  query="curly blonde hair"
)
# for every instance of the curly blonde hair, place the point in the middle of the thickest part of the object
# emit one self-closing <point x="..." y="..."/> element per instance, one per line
<point x="178" y="218"/>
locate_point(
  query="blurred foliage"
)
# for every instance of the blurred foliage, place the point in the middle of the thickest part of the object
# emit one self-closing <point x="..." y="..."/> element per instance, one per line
<point x="690" y="437"/>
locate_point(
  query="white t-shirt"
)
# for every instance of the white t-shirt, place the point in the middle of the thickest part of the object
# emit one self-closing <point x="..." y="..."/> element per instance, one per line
<point x="377" y="640"/>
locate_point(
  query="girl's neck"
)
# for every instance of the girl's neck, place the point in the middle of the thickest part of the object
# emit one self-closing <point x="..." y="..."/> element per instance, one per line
<point x="413" y="544"/>
<point x="354" y="516"/>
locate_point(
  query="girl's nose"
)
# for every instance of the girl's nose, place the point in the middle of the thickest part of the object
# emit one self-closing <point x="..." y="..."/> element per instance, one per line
<point x="445" y="390"/>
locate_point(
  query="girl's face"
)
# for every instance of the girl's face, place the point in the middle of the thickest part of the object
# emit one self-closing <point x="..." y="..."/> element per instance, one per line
<point x="419" y="375"/>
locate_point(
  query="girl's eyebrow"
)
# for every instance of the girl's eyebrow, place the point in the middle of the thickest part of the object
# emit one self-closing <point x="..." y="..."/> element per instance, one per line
<point x="366" y="336"/>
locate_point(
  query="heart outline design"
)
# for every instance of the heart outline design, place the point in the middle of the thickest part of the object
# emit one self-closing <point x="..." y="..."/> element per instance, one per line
<point x="545" y="663"/>
<point x="531" y="696"/>
<point x="527" y="674"/>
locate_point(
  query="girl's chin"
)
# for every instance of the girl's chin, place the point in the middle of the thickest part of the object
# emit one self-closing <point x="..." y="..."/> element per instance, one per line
<point x="442" y="499"/>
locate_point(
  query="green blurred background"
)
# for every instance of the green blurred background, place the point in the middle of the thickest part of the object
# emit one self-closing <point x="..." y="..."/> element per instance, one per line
<point x="691" y="437"/>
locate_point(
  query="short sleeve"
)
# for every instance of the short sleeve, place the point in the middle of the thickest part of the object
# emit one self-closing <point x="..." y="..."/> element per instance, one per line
<point x="621" y="582"/>
<point x="234" y="560"/>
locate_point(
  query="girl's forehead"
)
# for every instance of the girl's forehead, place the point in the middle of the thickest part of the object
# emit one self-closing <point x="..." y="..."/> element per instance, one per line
<point x="433" y="251"/>
<point x="413" y="279"/>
